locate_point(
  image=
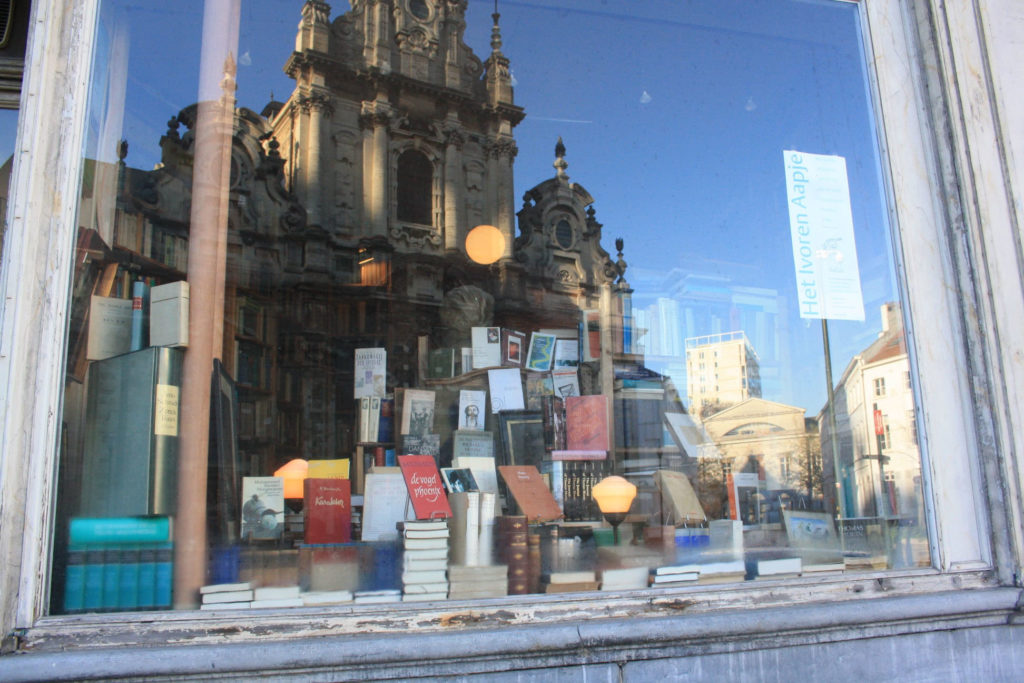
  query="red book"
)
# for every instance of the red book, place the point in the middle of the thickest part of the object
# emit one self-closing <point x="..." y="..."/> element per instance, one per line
<point x="327" y="510"/>
<point x="530" y="493"/>
<point x="586" y="423"/>
<point x="426" y="491"/>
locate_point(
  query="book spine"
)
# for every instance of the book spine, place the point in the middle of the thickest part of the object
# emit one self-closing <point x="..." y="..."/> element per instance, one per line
<point x="146" y="582"/>
<point x="87" y="530"/>
<point x="93" y="594"/>
<point x="74" y="580"/>
<point x="138" y="296"/>
<point x="128" y="586"/>
<point x="111" y="577"/>
<point x="163" y="575"/>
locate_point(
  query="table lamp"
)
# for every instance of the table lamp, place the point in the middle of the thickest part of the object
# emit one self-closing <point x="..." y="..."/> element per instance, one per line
<point x="294" y="474"/>
<point x="614" y="496"/>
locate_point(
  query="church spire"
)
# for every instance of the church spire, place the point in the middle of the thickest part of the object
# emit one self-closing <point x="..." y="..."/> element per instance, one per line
<point x="499" y="80"/>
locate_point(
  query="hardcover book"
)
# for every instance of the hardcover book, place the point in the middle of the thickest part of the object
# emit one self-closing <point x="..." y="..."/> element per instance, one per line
<point x="385" y="499"/>
<point x="542" y="352"/>
<point x="538" y="387"/>
<point x="458" y="479"/>
<point x="327" y="510"/>
<point x="417" y="416"/>
<point x="679" y="500"/>
<point x="328" y="469"/>
<point x="586" y="419"/>
<point x="472" y="409"/>
<point x="565" y="383"/>
<point x="110" y="327"/>
<point x="530" y="493"/>
<point x="483" y="469"/>
<point x="473" y="444"/>
<point x="506" y="389"/>
<point x="590" y="334"/>
<point x="567" y="354"/>
<point x="421" y="444"/>
<point x="486" y="347"/>
<point x="370" y="372"/>
<point x="512" y="345"/>
<point x="426" y="491"/>
<point x="441" y="363"/>
<point x="262" y="508"/>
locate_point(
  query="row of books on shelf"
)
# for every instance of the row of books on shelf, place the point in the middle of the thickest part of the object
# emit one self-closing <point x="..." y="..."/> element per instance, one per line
<point x="118" y="564"/>
<point x="138" y="234"/>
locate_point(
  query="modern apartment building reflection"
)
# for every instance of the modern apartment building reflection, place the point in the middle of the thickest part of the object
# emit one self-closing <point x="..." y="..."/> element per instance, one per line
<point x="721" y="370"/>
<point x="875" y="434"/>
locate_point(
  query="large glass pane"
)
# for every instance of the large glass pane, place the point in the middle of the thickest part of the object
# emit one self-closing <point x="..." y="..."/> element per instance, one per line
<point x="328" y="345"/>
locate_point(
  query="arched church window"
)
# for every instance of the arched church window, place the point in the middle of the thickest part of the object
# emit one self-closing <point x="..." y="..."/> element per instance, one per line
<point x="563" y="234"/>
<point x="415" y="186"/>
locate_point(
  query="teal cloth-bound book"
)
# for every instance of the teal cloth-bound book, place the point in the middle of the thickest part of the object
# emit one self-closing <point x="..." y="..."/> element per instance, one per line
<point x="140" y="529"/>
<point x="74" y="580"/>
<point x="164" y="575"/>
<point x="111" y="577"/>
<point x="92" y="594"/>
<point x="146" y="591"/>
<point x="128" y="588"/>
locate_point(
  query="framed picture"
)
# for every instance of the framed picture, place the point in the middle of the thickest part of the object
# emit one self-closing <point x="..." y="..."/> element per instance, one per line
<point x="811" y="530"/>
<point x="522" y="437"/>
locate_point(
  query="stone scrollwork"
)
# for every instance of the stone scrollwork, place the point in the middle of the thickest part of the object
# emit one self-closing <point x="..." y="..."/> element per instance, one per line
<point x="416" y="236"/>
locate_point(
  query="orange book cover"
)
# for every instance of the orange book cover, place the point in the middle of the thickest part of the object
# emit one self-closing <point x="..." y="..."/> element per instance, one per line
<point x="530" y="492"/>
<point x="586" y="423"/>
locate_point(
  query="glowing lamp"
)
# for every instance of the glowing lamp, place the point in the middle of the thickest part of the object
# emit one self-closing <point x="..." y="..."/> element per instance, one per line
<point x="293" y="473"/>
<point x="614" y="496"/>
<point x="485" y="244"/>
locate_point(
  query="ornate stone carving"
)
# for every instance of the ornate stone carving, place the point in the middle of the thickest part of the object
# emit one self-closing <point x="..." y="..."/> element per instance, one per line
<point x="318" y="102"/>
<point x="416" y="236"/>
<point x="316" y="12"/>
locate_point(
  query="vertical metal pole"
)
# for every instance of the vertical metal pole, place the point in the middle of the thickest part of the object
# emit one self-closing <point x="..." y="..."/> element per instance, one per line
<point x="835" y="433"/>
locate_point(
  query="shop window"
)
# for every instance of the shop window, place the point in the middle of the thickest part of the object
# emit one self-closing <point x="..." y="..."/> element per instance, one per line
<point x="357" y="365"/>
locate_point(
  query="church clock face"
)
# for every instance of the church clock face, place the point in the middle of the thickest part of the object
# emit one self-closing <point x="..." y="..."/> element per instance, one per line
<point x="419" y="9"/>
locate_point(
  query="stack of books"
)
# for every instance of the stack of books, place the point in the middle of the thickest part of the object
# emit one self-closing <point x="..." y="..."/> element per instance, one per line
<point x="675" y="575"/>
<point x="226" y="596"/>
<point x="782" y="568"/>
<point x="513" y="552"/>
<point x="425" y="561"/>
<point x="722" y="572"/>
<point x="276" y="596"/>
<point x="320" y="598"/>
<point x="118" y="564"/>
<point x="569" y="581"/>
<point x="377" y="596"/>
<point x="477" y="582"/>
<point x="625" y="578"/>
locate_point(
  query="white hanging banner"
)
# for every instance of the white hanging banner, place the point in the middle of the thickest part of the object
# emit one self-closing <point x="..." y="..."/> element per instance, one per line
<point x="821" y="225"/>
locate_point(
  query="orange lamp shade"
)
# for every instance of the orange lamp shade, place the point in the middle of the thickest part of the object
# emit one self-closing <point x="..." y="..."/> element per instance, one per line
<point x="294" y="473"/>
<point x="485" y="244"/>
<point x="614" y="495"/>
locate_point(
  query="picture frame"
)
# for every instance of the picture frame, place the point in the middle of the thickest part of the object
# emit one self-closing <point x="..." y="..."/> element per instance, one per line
<point x="522" y="437"/>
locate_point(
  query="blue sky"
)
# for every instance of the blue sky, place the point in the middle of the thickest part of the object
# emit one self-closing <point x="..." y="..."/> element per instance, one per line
<point x="674" y="114"/>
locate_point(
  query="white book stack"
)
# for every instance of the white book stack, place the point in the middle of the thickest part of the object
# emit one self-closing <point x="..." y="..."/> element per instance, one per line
<point x="626" y="578"/>
<point x="425" y="560"/>
<point x="226" y="596"/>
<point x="318" y="598"/>
<point x="676" y="575"/>
<point x="477" y="582"/>
<point x="377" y="596"/>
<point x="722" y="572"/>
<point x="782" y="568"/>
<point x="276" y="596"/>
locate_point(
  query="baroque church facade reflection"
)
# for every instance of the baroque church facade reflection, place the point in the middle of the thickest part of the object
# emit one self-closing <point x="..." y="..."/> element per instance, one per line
<point x="349" y="207"/>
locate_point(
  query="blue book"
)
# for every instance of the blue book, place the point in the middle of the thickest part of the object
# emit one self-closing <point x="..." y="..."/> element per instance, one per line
<point x="74" y="580"/>
<point x="128" y="588"/>
<point x="142" y="529"/>
<point x="92" y="594"/>
<point x="138" y="327"/>
<point x="146" y="582"/>
<point x="164" y="575"/>
<point x="111" y="577"/>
